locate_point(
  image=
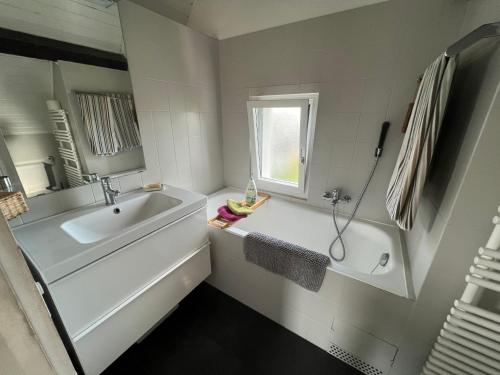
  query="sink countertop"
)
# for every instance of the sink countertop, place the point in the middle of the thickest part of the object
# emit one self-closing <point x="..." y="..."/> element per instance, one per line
<point x="56" y="254"/>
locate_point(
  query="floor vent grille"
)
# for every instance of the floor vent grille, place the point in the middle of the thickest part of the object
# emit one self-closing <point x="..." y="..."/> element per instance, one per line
<point x="353" y="361"/>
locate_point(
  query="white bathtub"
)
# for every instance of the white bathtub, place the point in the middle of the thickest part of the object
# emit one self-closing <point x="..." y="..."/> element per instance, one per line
<point x="313" y="229"/>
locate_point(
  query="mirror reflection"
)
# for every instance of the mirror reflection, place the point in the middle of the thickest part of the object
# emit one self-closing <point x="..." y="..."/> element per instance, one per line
<point x="64" y="124"/>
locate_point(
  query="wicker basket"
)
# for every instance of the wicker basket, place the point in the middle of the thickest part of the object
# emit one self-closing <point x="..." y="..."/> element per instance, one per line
<point x="12" y="204"/>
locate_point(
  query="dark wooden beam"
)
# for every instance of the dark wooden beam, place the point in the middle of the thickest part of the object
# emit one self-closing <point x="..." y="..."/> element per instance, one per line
<point x="22" y="44"/>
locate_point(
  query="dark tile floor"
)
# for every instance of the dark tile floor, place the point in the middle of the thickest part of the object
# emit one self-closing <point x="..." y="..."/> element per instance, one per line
<point x="213" y="334"/>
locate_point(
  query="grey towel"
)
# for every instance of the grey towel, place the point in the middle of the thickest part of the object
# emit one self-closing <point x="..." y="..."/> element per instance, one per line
<point x="305" y="267"/>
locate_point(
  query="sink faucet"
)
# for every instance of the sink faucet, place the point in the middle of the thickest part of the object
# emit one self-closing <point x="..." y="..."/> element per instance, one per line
<point x="110" y="194"/>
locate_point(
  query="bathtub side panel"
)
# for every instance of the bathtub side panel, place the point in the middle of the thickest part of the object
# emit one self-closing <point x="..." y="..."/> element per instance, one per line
<point x="307" y="314"/>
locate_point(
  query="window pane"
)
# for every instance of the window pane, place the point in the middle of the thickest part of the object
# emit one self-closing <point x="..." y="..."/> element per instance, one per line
<point x="280" y="143"/>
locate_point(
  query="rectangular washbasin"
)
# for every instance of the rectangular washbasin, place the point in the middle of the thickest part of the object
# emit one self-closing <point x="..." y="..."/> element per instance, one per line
<point x="109" y="220"/>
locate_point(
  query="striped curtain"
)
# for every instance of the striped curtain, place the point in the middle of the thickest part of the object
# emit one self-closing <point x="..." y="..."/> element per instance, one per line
<point x="410" y="172"/>
<point x="111" y="122"/>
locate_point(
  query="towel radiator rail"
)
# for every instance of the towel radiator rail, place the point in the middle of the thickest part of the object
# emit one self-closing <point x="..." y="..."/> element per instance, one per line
<point x="469" y="342"/>
<point x="66" y="147"/>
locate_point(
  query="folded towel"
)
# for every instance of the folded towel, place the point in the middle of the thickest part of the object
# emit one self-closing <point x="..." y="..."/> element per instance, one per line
<point x="226" y="213"/>
<point x="238" y="209"/>
<point x="305" y="267"/>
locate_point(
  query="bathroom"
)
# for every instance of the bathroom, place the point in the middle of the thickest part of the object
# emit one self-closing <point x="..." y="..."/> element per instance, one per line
<point x="133" y="138"/>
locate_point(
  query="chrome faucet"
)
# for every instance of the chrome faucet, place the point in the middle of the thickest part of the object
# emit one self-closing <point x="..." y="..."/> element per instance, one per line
<point x="335" y="196"/>
<point x="110" y="194"/>
<point x="90" y="178"/>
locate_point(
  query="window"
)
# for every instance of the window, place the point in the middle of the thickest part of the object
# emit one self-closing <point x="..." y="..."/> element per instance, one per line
<point x="281" y="133"/>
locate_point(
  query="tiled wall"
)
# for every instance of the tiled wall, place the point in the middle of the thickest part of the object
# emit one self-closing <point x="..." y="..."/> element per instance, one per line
<point x="175" y="79"/>
<point x="364" y="63"/>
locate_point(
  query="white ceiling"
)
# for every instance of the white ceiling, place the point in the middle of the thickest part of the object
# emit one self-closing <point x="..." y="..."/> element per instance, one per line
<point x="223" y="19"/>
<point x="227" y="18"/>
<point x="178" y="10"/>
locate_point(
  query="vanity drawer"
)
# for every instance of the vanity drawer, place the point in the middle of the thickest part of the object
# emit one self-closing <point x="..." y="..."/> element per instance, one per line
<point x="107" y="340"/>
<point x="86" y="295"/>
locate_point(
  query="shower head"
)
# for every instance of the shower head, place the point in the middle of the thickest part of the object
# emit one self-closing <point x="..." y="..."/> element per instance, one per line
<point x="381" y="139"/>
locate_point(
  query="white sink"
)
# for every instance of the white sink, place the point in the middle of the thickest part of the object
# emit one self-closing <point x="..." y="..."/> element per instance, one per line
<point x="110" y="220"/>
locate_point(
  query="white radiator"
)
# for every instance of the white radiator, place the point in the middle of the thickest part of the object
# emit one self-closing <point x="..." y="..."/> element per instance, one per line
<point x="469" y="342"/>
<point x="66" y="146"/>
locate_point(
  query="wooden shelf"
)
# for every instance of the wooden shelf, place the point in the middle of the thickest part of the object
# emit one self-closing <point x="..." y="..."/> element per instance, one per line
<point x="221" y="223"/>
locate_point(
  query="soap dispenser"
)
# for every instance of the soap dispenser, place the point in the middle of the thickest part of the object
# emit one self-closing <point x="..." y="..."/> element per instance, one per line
<point x="251" y="192"/>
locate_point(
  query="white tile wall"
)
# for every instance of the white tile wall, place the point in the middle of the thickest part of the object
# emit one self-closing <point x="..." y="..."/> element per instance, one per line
<point x="130" y="182"/>
<point x="364" y="63"/>
<point x="175" y="78"/>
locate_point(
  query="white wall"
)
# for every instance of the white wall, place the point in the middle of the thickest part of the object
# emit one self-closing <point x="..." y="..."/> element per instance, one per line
<point x="364" y="63"/>
<point x="70" y="77"/>
<point x="175" y="80"/>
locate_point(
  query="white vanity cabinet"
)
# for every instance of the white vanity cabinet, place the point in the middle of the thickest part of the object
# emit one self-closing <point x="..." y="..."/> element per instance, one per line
<point x="109" y="303"/>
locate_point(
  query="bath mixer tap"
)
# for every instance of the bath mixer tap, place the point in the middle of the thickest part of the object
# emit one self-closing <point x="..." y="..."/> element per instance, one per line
<point x="335" y="196"/>
<point x="110" y="194"/>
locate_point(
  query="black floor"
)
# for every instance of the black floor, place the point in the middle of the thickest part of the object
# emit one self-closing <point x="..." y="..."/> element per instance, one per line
<point x="213" y="334"/>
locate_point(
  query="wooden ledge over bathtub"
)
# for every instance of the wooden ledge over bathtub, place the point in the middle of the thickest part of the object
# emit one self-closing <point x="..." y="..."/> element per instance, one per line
<point x="221" y="223"/>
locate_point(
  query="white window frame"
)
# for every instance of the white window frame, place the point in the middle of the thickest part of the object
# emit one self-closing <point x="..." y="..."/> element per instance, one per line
<point x="308" y="104"/>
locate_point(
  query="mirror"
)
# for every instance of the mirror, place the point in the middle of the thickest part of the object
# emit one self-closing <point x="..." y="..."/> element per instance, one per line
<point x="63" y="122"/>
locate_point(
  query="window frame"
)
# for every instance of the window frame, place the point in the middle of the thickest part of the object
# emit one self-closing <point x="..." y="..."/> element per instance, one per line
<point x="308" y="104"/>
